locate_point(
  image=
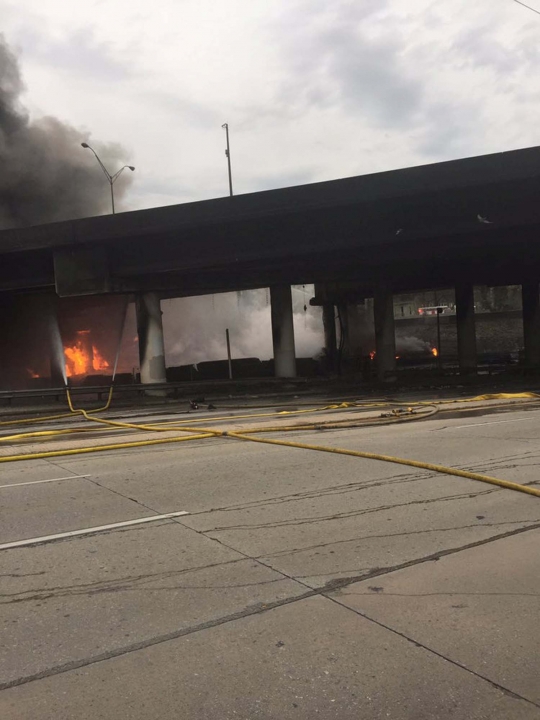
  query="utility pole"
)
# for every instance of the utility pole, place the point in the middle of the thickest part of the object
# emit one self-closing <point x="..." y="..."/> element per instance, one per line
<point x="228" y="156"/>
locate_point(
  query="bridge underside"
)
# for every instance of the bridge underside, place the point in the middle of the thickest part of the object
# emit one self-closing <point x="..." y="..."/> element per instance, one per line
<point x="455" y="224"/>
<point x="474" y="220"/>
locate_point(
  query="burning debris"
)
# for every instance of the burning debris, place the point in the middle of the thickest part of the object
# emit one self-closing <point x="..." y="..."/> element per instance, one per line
<point x="61" y="339"/>
<point x="420" y="348"/>
<point x="81" y="358"/>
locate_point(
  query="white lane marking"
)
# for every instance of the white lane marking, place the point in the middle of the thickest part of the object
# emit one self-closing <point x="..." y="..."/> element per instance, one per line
<point x="495" y="422"/>
<point x="89" y="531"/>
<point x="38" y="482"/>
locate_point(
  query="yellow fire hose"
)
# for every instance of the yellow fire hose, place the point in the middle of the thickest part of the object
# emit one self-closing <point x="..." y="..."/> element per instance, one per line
<point x="249" y="435"/>
<point x="399" y="461"/>
<point x="29" y="421"/>
<point x="182" y="425"/>
<point x="101" y="448"/>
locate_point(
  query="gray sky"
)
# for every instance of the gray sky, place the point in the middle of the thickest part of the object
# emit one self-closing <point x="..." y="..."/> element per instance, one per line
<point x="312" y="89"/>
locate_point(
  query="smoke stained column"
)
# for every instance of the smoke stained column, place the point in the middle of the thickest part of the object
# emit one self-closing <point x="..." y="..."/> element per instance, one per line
<point x="330" y="337"/>
<point x="283" y="331"/>
<point x="531" y="323"/>
<point x="466" y="328"/>
<point x="385" y="336"/>
<point x="30" y="343"/>
<point x="151" y="343"/>
<point x="357" y="327"/>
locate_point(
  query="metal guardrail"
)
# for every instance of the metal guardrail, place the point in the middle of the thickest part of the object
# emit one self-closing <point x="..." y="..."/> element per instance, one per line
<point x="172" y="389"/>
<point x="57" y="393"/>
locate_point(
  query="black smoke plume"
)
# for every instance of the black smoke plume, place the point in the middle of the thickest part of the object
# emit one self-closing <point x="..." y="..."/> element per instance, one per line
<point x="45" y="173"/>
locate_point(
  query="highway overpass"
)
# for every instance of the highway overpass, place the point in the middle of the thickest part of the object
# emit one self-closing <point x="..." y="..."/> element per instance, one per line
<point x="458" y="223"/>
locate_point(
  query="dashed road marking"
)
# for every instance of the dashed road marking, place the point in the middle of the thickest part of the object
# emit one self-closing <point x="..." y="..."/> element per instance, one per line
<point x="89" y="531"/>
<point x="39" y="482"/>
<point x="495" y="422"/>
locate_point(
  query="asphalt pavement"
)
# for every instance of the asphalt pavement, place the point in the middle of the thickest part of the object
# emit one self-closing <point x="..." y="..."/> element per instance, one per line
<point x="295" y="583"/>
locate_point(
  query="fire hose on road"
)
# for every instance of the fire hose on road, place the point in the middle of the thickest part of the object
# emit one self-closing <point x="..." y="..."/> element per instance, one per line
<point x="414" y="411"/>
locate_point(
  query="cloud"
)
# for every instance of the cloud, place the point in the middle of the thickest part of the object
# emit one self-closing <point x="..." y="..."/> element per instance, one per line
<point x="269" y="181"/>
<point x="312" y="89"/>
<point x="449" y="130"/>
<point x="174" y="104"/>
<point x="351" y="57"/>
<point x="78" y="53"/>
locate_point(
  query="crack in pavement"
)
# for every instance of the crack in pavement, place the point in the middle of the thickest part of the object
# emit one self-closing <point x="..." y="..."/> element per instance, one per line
<point x="128" y="588"/>
<point x="416" y="643"/>
<point x="381" y="593"/>
<point x="294" y="551"/>
<point x="112" y="585"/>
<point x="332" y="586"/>
<point x="314" y="494"/>
<point x="401" y="478"/>
<point x="349" y="514"/>
<point x="260" y="608"/>
<point x="22" y="575"/>
<point x="125" y="497"/>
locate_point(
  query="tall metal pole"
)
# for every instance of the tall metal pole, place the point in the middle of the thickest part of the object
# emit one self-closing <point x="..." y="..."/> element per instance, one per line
<point x="229" y="358"/>
<point x="228" y="156"/>
<point x="111" y="179"/>
<point x="439" y="360"/>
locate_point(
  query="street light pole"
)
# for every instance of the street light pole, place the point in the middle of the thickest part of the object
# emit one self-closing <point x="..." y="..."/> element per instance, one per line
<point x="228" y="155"/>
<point x="110" y="178"/>
<point x="528" y="7"/>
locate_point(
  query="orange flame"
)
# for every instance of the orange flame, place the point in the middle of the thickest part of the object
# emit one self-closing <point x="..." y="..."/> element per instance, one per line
<point x="79" y="359"/>
<point x="98" y="361"/>
<point x="32" y="373"/>
<point x="434" y="352"/>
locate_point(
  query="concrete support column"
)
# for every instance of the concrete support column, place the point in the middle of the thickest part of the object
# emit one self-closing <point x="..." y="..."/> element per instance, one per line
<point x="357" y="330"/>
<point x="466" y="329"/>
<point x="330" y="339"/>
<point x="385" y="336"/>
<point x="283" y="331"/>
<point x="151" y="345"/>
<point x="531" y="323"/>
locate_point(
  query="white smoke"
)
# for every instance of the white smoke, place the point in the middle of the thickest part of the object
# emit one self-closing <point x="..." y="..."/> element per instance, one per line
<point x="194" y="328"/>
<point x="410" y="344"/>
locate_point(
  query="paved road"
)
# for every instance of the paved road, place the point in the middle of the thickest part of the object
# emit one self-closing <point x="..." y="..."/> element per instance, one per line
<point x="300" y="584"/>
